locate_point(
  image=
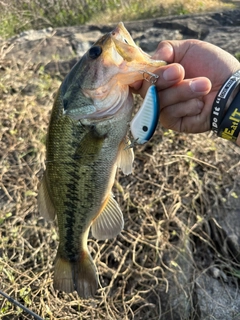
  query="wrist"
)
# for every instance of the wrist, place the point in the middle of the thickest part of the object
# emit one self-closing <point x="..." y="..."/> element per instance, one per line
<point x="225" y="116"/>
<point x="230" y="126"/>
<point x="223" y="99"/>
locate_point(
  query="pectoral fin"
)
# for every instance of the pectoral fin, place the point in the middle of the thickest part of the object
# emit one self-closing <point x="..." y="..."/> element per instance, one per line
<point x="110" y="222"/>
<point x="125" y="158"/>
<point x="45" y="205"/>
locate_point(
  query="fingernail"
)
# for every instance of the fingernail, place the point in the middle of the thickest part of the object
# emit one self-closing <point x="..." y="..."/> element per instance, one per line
<point x="172" y="73"/>
<point x="198" y="85"/>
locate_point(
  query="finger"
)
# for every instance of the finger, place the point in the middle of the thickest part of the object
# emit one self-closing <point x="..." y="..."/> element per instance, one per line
<point x="196" y="56"/>
<point x="167" y="76"/>
<point x="164" y="52"/>
<point x="188" y="116"/>
<point x="176" y="50"/>
<point x="136" y="86"/>
<point x="184" y="91"/>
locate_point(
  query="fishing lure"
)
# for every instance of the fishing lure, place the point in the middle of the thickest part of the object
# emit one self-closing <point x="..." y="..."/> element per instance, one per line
<point x="144" y="123"/>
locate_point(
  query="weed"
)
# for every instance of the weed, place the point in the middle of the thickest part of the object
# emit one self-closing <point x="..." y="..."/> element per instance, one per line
<point x="237" y="55"/>
<point x="20" y="15"/>
<point x="178" y="182"/>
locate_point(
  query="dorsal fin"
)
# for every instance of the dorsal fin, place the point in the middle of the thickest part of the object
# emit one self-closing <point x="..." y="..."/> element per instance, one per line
<point x="45" y="205"/>
<point x="110" y="222"/>
<point x="125" y="157"/>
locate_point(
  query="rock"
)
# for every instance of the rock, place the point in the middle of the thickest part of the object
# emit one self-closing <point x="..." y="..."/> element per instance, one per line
<point x="41" y="50"/>
<point x="149" y="40"/>
<point x="206" y="291"/>
<point x="80" y="44"/>
<point x="32" y="35"/>
<point x="61" y="69"/>
<point x="216" y="299"/>
<point x="62" y="44"/>
<point x="226" y="38"/>
<point x="176" y="299"/>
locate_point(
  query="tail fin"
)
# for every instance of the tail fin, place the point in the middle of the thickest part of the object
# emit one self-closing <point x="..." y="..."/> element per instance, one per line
<point x="79" y="275"/>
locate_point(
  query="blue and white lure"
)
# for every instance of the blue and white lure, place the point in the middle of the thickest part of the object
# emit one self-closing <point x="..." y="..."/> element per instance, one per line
<point x="144" y="123"/>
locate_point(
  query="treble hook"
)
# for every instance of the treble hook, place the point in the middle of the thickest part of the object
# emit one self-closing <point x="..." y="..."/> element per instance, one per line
<point x="149" y="76"/>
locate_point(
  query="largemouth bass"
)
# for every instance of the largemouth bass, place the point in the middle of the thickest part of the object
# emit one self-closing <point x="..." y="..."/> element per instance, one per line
<point x="86" y="143"/>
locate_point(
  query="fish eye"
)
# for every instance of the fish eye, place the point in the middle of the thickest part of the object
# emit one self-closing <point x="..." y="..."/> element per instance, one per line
<point x="95" y="52"/>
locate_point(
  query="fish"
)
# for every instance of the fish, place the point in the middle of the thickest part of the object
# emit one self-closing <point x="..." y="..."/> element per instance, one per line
<point x="87" y="141"/>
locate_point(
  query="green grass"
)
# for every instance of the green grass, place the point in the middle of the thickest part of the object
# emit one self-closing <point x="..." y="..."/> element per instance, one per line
<point x="177" y="178"/>
<point x="179" y="181"/>
<point x="20" y="15"/>
<point x="237" y="55"/>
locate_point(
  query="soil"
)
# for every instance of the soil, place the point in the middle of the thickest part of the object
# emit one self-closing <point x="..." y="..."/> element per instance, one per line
<point x="179" y="254"/>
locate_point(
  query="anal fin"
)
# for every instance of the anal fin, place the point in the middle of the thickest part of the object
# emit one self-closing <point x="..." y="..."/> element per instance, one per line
<point x="110" y="221"/>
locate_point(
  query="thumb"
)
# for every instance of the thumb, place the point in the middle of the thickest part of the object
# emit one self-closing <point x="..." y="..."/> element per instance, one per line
<point x="164" y="52"/>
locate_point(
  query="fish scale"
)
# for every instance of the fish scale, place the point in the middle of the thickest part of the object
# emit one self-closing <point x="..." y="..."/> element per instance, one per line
<point x="86" y="143"/>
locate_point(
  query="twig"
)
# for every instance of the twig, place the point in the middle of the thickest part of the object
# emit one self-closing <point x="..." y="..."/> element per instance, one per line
<point x="11" y="300"/>
<point x="194" y="159"/>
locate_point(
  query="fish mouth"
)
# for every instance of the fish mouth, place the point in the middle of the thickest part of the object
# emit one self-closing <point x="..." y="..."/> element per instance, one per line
<point x="106" y="103"/>
<point x="121" y="61"/>
<point x="130" y="52"/>
<point x="98" y="93"/>
<point x="120" y="64"/>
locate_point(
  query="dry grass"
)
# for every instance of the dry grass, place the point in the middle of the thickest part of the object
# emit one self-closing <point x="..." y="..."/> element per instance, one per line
<point x="177" y="179"/>
<point x="20" y="15"/>
<point x="135" y="10"/>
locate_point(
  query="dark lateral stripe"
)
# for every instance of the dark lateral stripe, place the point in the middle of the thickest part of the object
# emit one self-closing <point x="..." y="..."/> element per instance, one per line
<point x="69" y="246"/>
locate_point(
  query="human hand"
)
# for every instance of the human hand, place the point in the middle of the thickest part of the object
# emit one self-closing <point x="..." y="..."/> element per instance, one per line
<point x="188" y="86"/>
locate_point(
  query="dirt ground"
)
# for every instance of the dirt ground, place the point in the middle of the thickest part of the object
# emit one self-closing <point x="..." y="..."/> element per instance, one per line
<point x="174" y="206"/>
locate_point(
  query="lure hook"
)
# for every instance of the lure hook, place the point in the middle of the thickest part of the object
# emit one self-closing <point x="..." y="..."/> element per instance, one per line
<point x="149" y="76"/>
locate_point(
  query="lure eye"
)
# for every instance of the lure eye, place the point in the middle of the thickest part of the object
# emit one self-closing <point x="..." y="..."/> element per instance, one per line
<point x="95" y="52"/>
<point x="145" y="128"/>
